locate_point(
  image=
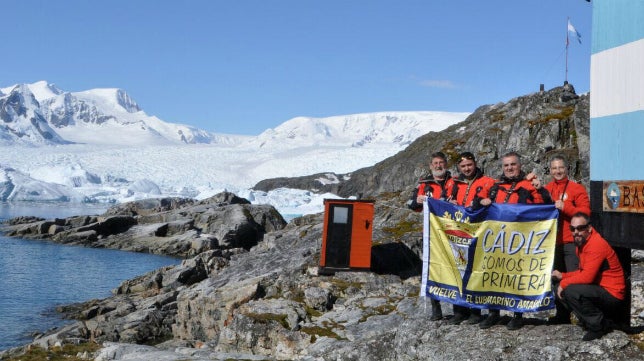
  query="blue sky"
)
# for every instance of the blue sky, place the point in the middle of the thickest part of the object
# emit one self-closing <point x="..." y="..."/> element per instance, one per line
<point x="244" y="66"/>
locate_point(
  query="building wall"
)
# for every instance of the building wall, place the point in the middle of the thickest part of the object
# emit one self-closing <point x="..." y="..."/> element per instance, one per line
<point x="617" y="91"/>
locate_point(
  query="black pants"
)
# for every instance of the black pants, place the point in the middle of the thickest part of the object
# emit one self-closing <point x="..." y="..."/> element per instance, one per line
<point x="566" y="260"/>
<point x="591" y="304"/>
<point x="466" y="311"/>
<point x="570" y="257"/>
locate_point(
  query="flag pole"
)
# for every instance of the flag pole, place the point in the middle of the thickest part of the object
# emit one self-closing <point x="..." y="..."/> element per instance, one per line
<point x="567" y="42"/>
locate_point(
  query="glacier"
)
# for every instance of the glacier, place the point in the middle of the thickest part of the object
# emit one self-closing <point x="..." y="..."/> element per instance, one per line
<point x="102" y="148"/>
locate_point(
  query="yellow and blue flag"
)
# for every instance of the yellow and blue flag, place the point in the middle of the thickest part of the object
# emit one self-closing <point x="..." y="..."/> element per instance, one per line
<point x="498" y="257"/>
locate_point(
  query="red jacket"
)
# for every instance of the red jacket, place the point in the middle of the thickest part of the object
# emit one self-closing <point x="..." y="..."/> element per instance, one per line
<point x="598" y="264"/>
<point x="575" y="200"/>
<point x="430" y="187"/>
<point x="463" y="191"/>
<point x="518" y="190"/>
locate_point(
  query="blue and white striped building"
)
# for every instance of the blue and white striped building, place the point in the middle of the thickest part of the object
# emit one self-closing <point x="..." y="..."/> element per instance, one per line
<point x="617" y="128"/>
<point x="617" y="122"/>
<point x="617" y="91"/>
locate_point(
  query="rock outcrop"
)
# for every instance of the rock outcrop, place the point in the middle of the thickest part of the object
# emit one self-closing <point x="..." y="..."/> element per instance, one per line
<point x="268" y="302"/>
<point x="537" y="126"/>
<point x="169" y="226"/>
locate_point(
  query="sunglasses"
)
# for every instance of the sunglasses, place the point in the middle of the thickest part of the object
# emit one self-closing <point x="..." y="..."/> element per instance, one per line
<point x="579" y="228"/>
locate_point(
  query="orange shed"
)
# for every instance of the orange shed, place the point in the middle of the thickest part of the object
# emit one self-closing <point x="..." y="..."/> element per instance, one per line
<point x="346" y="238"/>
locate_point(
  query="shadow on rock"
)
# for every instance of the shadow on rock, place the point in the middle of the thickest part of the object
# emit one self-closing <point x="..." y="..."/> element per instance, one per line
<point x="395" y="259"/>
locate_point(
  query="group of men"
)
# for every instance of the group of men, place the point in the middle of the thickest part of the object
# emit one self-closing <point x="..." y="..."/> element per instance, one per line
<point x="587" y="274"/>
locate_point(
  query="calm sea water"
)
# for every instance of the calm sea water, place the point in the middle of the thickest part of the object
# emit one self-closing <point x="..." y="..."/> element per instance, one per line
<point x="37" y="276"/>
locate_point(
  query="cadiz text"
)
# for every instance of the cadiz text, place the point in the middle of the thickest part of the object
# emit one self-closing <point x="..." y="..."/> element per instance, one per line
<point x="514" y="241"/>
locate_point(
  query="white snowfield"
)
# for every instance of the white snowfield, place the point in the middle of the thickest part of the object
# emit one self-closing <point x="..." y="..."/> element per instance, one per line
<point x="118" y="162"/>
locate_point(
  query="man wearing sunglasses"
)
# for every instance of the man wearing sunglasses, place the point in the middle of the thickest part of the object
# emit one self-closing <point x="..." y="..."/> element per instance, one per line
<point x="570" y="198"/>
<point x="435" y="186"/>
<point x="598" y="286"/>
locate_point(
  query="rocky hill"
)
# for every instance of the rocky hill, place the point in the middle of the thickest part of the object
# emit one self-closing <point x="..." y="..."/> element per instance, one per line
<point x="536" y="126"/>
<point x="250" y="289"/>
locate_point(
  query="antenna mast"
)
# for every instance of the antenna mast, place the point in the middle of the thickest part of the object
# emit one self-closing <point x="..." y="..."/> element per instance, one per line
<point x="567" y="43"/>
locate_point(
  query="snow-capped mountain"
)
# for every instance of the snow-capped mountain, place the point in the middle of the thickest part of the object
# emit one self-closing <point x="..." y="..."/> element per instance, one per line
<point x="357" y="130"/>
<point x="109" y="116"/>
<point x="100" y="116"/>
<point x="109" y="151"/>
<point x="22" y="120"/>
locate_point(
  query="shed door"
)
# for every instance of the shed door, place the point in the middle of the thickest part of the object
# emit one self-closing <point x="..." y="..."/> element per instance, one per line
<point x="338" y="240"/>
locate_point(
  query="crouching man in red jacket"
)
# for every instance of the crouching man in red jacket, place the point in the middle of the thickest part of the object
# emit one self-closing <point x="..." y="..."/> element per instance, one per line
<point x="598" y="286"/>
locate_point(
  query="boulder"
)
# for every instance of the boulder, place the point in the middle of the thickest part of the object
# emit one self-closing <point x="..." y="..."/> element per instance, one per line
<point x="170" y="226"/>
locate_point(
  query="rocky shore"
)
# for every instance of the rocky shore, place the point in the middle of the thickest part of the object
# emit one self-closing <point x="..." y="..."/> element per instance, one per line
<point x="249" y="288"/>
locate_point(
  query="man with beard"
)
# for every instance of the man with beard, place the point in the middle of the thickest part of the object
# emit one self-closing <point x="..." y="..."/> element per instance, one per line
<point x="435" y="186"/>
<point x="512" y="187"/>
<point x="570" y="198"/>
<point x="463" y="191"/>
<point x="598" y="286"/>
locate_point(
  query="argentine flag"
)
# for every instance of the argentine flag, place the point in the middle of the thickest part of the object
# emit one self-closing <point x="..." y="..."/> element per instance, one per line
<point x="571" y="29"/>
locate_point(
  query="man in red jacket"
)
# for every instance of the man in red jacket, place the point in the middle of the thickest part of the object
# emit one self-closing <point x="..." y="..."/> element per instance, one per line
<point x="512" y="187"/>
<point x="435" y="186"/>
<point x="470" y="181"/>
<point x="463" y="191"/>
<point x="570" y="198"/>
<point x="598" y="286"/>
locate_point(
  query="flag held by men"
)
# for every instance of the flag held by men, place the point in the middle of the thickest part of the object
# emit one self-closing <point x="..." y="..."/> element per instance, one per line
<point x="497" y="257"/>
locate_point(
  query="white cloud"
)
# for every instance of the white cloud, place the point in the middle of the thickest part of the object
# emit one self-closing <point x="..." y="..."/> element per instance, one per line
<point x="443" y="84"/>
